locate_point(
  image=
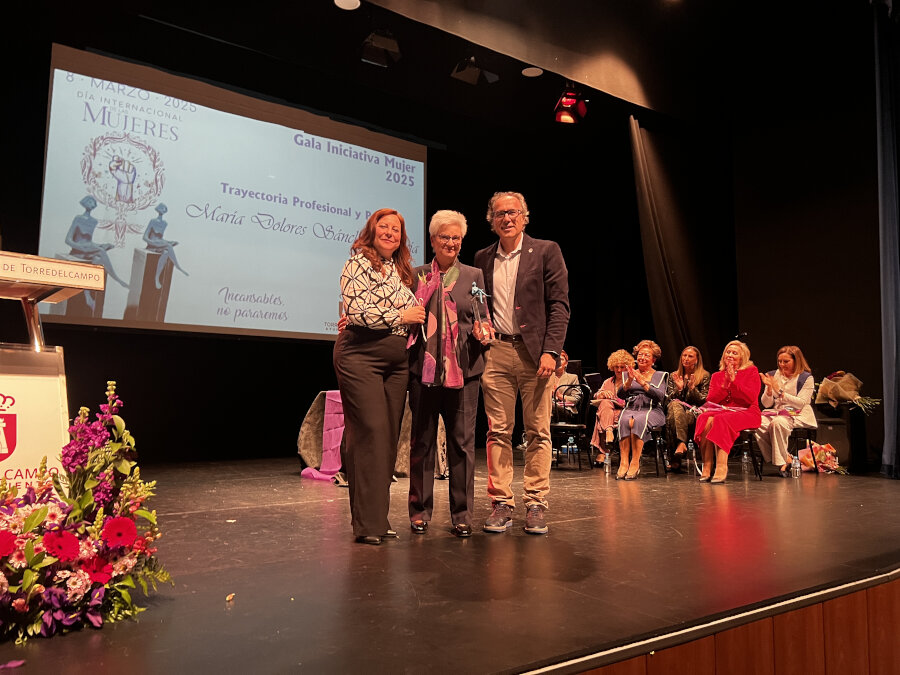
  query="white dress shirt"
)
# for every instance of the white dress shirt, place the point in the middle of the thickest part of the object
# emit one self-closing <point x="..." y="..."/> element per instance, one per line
<point x="506" y="267"/>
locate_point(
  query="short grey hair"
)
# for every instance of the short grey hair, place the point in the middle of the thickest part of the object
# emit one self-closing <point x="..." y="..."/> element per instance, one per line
<point x="499" y="195"/>
<point x="446" y="217"/>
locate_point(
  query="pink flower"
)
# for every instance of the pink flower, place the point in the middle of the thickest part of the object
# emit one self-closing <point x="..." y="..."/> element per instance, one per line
<point x="18" y="559"/>
<point x="125" y="564"/>
<point x="119" y="532"/>
<point x="7" y="543"/>
<point x="62" y="544"/>
<point x="77" y="585"/>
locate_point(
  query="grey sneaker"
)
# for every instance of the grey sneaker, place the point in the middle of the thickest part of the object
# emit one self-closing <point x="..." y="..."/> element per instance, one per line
<point x="500" y="519"/>
<point x="534" y="520"/>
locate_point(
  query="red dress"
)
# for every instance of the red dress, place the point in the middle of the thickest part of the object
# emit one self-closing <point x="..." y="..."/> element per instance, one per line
<point x="741" y="397"/>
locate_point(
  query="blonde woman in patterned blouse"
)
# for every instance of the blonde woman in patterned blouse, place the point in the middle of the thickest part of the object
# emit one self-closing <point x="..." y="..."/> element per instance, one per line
<point x="370" y="360"/>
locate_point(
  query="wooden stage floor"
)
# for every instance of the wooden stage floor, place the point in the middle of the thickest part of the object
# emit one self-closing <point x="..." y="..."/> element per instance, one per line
<point x="624" y="563"/>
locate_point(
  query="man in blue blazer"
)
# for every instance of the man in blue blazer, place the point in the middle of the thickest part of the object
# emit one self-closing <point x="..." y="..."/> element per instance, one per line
<point x="528" y="288"/>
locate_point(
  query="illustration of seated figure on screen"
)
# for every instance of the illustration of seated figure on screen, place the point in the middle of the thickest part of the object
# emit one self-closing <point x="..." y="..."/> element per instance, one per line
<point x="124" y="173"/>
<point x="153" y="235"/>
<point x="81" y="240"/>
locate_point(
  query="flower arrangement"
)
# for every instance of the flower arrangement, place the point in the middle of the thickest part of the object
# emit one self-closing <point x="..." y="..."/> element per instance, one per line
<point x="71" y="549"/>
<point x="825" y="459"/>
<point x="842" y="386"/>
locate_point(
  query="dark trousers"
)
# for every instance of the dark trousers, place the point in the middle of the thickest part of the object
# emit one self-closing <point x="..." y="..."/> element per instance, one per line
<point x="372" y="372"/>
<point x="458" y="408"/>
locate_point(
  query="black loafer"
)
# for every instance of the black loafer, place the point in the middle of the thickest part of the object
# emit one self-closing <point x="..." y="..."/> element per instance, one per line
<point x="462" y="530"/>
<point x="374" y="541"/>
<point x="390" y="534"/>
<point x="419" y="526"/>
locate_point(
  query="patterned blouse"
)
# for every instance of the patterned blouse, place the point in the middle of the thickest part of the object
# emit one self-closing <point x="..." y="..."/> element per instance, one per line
<point x="373" y="299"/>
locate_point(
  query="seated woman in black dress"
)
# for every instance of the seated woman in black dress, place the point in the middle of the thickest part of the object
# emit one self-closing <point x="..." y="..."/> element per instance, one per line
<point x="687" y="390"/>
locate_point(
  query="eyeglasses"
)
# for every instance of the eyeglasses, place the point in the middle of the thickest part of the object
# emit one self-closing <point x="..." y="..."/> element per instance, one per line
<point x="512" y="213"/>
<point x="446" y="238"/>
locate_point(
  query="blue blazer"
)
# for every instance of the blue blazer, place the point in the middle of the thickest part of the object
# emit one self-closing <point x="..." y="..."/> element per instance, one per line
<point x="541" y="308"/>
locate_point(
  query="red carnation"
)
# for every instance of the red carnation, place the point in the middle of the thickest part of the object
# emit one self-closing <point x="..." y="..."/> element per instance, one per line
<point x="119" y="532"/>
<point x="61" y="544"/>
<point x="98" y="569"/>
<point x="7" y="543"/>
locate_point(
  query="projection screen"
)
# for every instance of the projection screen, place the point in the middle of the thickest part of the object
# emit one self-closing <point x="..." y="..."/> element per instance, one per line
<point x="212" y="211"/>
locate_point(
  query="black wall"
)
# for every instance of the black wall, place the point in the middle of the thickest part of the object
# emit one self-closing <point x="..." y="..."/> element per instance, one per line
<point x="803" y="181"/>
<point x="806" y="185"/>
<point x="198" y="397"/>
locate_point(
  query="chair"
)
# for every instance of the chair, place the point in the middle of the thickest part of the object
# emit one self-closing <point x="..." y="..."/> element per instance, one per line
<point x="687" y="460"/>
<point x="658" y="438"/>
<point x="594" y="381"/>
<point x="747" y="440"/>
<point x="580" y="429"/>
<point x="802" y="434"/>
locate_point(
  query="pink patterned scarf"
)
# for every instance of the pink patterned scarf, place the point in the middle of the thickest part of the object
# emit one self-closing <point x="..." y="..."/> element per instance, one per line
<point x="441" y="366"/>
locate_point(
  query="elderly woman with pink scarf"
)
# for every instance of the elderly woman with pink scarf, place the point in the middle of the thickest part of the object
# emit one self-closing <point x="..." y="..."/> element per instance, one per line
<point x="446" y="359"/>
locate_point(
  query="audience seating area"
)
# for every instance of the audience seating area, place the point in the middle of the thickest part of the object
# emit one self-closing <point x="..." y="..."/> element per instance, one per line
<point x="836" y="427"/>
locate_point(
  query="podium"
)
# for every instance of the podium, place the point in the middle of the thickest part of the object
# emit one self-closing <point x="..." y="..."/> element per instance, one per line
<point x="34" y="413"/>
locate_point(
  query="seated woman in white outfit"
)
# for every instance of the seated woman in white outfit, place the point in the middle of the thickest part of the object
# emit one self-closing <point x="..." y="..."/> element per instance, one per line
<point x="787" y="399"/>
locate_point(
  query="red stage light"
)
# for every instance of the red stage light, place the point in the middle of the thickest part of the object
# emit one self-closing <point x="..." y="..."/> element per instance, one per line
<point x="571" y="107"/>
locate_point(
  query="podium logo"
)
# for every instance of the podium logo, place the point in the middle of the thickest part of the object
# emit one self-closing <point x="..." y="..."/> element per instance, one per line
<point x="7" y="427"/>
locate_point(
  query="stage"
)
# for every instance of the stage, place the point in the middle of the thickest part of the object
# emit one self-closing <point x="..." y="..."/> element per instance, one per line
<point x="627" y="568"/>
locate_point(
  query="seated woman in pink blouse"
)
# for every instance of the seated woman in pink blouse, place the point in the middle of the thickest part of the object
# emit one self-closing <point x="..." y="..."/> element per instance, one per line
<point x="608" y="405"/>
<point x="731" y="407"/>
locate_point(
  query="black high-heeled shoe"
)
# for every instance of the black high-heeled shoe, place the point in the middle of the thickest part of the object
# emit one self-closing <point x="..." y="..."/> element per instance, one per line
<point x="419" y="526"/>
<point x="373" y="540"/>
<point x="462" y="530"/>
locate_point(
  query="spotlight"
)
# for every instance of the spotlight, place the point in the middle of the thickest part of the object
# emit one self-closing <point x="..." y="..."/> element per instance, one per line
<point x="468" y="71"/>
<point x="380" y="49"/>
<point x="349" y="5"/>
<point x="571" y="107"/>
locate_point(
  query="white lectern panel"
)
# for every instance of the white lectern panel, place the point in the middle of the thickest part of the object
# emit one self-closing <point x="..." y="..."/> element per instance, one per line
<point x="34" y="413"/>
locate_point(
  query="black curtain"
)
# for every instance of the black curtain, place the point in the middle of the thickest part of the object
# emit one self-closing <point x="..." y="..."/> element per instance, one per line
<point x="887" y="64"/>
<point x="687" y="236"/>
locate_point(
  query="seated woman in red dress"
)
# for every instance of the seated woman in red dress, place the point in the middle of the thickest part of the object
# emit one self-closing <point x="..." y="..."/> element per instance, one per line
<point x="731" y="407"/>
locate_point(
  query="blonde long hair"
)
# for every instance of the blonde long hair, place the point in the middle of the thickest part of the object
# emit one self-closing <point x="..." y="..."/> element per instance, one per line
<point x="699" y="371"/>
<point x="745" y="355"/>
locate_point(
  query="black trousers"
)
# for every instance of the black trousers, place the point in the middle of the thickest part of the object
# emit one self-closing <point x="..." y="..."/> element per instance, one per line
<point x="458" y="408"/>
<point x="372" y="371"/>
